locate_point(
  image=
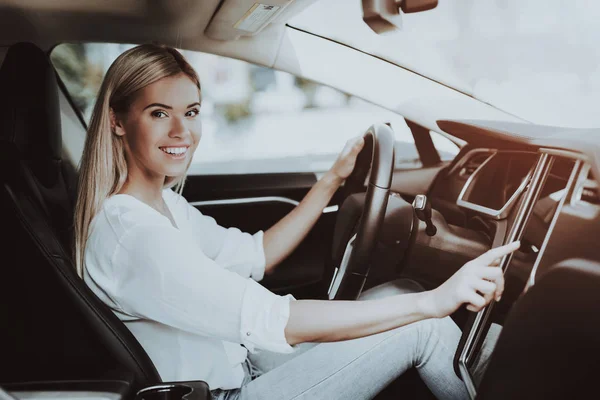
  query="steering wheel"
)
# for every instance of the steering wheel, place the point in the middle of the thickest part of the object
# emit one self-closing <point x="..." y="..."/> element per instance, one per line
<point x="377" y="156"/>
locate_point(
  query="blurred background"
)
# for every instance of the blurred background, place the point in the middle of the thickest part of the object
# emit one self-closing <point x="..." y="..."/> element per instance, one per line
<point x="255" y="119"/>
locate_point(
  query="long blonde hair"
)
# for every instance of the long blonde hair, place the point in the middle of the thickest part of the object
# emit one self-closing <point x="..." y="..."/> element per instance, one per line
<point x="103" y="170"/>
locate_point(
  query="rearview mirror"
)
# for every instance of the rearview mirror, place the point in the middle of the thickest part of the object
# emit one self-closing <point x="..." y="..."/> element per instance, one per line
<point x="384" y="16"/>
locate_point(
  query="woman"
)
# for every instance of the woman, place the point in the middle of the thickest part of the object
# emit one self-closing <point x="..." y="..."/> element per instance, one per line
<point x="187" y="289"/>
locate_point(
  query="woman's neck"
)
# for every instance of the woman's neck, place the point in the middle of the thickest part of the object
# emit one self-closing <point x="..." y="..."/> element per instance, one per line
<point x="149" y="194"/>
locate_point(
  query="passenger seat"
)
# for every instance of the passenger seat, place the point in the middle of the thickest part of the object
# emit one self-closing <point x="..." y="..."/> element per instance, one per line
<point x="549" y="347"/>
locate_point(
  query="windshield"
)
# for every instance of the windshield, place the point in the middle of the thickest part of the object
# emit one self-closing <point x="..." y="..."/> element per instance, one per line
<point x="536" y="59"/>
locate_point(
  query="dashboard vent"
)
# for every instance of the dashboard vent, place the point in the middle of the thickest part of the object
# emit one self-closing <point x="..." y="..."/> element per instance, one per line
<point x="473" y="163"/>
<point x="589" y="192"/>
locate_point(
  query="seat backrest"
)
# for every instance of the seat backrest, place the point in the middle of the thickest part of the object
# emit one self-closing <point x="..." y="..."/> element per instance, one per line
<point x="53" y="326"/>
<point x="549" y="347"/>
<point x="30" y="134"/>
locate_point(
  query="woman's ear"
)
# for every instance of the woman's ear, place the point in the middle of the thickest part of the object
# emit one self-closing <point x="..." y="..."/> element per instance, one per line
<point x="116" y="126"/>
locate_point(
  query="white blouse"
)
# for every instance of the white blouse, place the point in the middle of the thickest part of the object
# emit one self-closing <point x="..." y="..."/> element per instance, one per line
<point x="185" y="293"/>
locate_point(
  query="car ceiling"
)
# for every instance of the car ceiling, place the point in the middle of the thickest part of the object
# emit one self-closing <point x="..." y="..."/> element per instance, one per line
<point x="179" y="23"/>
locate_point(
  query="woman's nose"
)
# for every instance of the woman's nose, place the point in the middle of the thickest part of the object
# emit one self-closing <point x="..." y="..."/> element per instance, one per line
<point x="178" y="128"/>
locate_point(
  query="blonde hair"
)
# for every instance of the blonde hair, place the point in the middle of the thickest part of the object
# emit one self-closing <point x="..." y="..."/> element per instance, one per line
<point x="103" y="169"/>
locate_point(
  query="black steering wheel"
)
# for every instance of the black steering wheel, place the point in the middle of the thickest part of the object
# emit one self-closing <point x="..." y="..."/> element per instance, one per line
<point x="377" y="156"/>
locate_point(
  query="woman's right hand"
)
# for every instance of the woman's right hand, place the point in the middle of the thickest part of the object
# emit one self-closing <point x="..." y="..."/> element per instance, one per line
<point x="475" y="284"/>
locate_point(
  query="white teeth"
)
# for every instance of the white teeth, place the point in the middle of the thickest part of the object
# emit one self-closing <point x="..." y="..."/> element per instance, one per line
<point x="174" y="150"/>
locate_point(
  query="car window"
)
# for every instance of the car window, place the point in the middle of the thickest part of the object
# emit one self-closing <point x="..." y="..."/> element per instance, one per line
<point x="255" y="119"/>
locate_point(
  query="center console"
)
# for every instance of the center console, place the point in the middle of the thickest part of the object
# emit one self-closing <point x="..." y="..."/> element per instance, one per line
<point x="535" y="188"/>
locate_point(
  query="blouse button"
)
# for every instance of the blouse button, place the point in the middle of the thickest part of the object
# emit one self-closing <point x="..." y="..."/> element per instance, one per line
<point x="247" y="333"/>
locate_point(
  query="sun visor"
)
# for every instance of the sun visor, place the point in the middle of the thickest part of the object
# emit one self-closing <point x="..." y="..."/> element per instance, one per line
<point x="236" y="18"/>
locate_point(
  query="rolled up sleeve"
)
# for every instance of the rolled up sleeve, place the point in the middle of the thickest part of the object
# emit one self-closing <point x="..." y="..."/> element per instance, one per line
<point x="265" y="329"/>
<point x="165" y="277"/>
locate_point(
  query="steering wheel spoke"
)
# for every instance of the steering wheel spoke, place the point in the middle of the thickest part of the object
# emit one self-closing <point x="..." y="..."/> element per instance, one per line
<point x="378" y="157"/>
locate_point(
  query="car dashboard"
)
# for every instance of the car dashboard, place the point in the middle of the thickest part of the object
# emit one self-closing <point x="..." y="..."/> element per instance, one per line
<point x="518" y="189"/>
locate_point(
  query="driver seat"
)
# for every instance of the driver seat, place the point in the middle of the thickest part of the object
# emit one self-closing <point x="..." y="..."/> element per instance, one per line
<point x="54" y="327"/>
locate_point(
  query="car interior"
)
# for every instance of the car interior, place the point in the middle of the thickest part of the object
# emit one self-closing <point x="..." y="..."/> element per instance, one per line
<point x="421" y="216"/>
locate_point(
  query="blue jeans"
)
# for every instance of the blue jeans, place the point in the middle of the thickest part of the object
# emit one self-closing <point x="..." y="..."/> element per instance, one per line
<point x="359" y="368"/>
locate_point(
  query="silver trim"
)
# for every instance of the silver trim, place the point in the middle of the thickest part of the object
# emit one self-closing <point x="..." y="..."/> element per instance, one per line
<point x="580" y="185"/>
<point x="156" y="387"/>
<point x="577" y="168"/>
<point x="334" y="286"/>
<point x="502" y="212"/>
<point x="564" y="153"/>
<point x="467" y="157"/>
<point x="249" y="200"/>
<point x="330" y="209"/>
<point x="245" y="201"/>
<point x="420" y="201"/>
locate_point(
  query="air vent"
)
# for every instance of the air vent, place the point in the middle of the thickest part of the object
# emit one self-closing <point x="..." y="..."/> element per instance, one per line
<point x="473" y="162"/>
<point x="589" y="192"/>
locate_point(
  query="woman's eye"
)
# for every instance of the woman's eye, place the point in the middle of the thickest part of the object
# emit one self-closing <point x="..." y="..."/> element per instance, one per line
<point x="192" y="113"/>
<point x="159" y="114"/>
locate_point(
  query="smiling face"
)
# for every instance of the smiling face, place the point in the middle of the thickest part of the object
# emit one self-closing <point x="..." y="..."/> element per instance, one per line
<point x="161" y="129"/>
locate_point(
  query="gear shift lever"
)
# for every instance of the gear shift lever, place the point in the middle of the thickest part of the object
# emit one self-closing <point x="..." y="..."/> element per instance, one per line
<point x="422" y="208"/>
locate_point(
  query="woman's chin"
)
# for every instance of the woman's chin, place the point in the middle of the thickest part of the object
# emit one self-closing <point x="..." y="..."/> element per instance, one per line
<point x="173" y="173"/>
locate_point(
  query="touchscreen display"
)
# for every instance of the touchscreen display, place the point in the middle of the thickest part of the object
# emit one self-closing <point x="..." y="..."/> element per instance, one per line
<point x="518" y="271"/>
<point x="498" y="179"/>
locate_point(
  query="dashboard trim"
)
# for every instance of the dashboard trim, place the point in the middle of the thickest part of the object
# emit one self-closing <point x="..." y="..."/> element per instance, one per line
<point x="564" y="153"/>
<point x="502" y="212"/>
<point x="467" y="157"/>
<point x="578" y="168"/>
<point x="576" y="196"/>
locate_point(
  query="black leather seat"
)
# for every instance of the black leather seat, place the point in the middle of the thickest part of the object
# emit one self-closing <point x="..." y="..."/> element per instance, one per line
<point x="53" y="326"/>
<point x="549" y="347"/>
<point x="30" y="135"/>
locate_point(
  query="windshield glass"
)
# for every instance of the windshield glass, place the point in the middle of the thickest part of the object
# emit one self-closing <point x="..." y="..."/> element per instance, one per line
<point x="536" y="59"/>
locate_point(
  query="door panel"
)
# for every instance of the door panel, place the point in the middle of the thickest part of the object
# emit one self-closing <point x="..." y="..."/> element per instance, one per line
<point x="257" y="202"/>
<point x="214" y="187"/>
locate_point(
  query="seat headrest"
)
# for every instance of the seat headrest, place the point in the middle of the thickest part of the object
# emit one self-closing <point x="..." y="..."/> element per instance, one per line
<point x="29" y="105"/>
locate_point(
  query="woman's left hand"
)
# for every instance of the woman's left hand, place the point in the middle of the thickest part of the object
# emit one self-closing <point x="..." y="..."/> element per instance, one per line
<point x="343" y="166"/>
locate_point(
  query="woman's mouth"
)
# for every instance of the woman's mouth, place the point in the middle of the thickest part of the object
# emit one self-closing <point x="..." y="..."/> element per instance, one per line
<point x="176" y="153"/>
